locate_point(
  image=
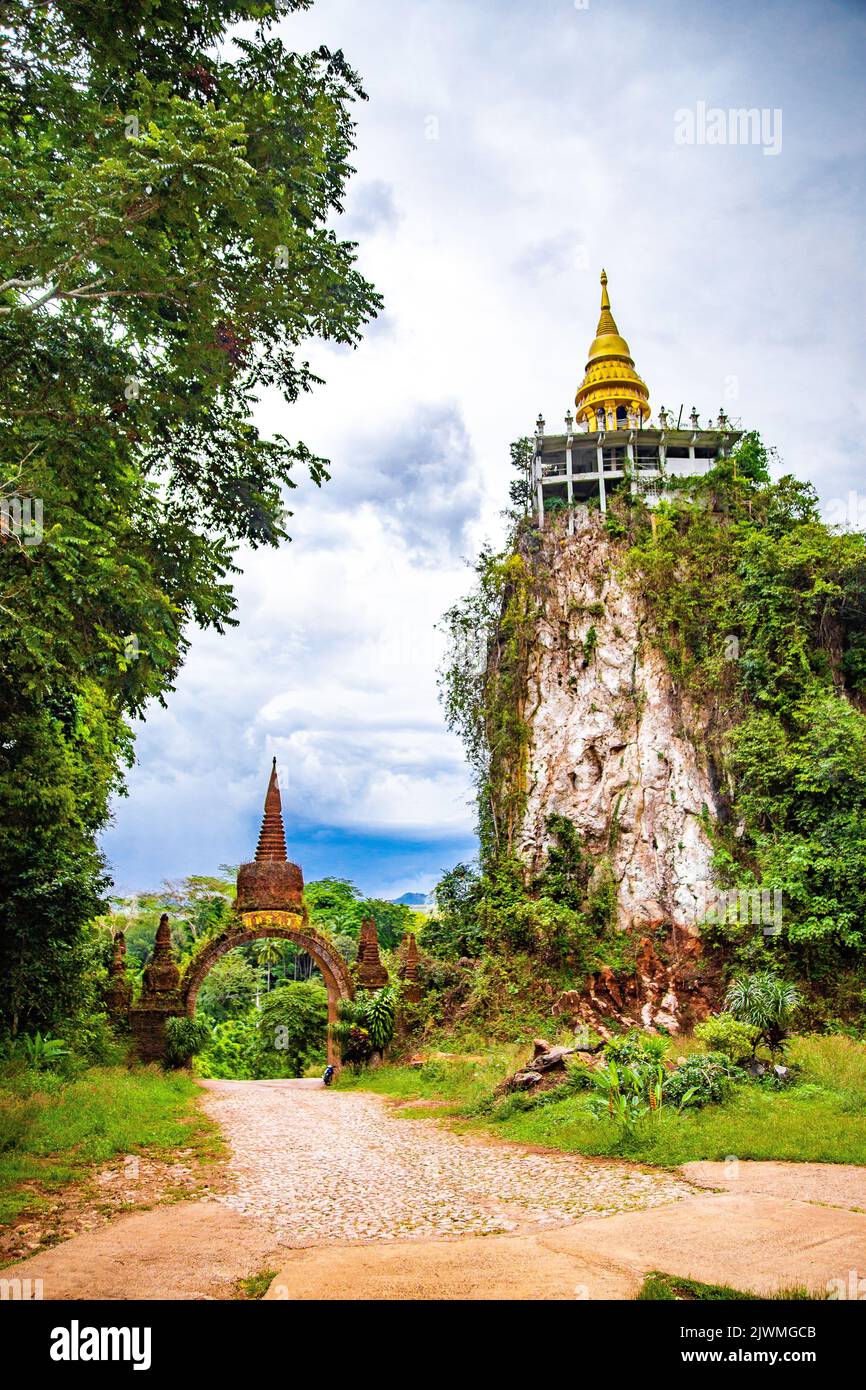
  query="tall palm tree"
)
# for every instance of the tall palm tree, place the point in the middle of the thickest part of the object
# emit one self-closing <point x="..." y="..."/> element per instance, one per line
<point x="269" y="952"/>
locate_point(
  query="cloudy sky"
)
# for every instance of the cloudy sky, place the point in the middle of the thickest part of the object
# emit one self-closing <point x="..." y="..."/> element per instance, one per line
<point x="510" y="148"/>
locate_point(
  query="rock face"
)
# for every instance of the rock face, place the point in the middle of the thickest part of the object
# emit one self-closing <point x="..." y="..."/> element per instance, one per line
<point x="610" y="750"/>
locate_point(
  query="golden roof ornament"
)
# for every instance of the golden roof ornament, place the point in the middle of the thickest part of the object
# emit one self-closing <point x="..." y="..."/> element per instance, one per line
<point x="611" y="395"/>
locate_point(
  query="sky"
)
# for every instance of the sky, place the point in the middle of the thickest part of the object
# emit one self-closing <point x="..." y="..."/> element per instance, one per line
<point x="509" y="150"/>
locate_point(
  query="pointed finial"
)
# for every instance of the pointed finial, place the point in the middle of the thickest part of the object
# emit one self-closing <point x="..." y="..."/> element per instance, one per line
<point x="272" y="839"/>
<point x="606" y="322"/>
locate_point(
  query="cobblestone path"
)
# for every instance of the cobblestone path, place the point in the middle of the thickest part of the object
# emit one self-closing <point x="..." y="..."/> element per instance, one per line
<point x="321" y="1167"/>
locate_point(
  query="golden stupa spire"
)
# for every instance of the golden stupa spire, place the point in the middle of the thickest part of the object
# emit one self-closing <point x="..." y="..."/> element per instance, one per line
<point x="606" y="322"/>
<point x="611" y="395"/>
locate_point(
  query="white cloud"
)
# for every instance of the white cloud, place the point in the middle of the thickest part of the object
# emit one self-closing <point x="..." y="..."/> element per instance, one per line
<point x="554" y="155"/>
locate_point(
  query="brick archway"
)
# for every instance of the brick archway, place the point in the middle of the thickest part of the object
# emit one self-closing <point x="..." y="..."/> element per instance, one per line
<point x="270" y="902"/>
<point x="287" y="926"/>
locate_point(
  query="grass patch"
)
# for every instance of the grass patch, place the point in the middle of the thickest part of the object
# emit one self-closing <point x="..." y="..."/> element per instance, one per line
<point x="819" y="1119"/>
<point x="815" y="1127"/>
<point x="467" y="1082"/>
<point x="835" y="1062"/>
<point x="257" y="1285"/>
<point x="52" y="1131"/>
<point x="667" y="1288"/>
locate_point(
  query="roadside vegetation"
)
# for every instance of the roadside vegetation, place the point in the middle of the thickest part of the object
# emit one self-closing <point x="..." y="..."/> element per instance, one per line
<point x="667" y="1288"/>
<point x="818" y="1116"/>
<point x="61" y="1119"/>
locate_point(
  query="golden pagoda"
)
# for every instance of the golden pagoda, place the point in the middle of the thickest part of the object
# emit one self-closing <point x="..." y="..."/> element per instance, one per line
<point x="613" y="443"/>
<point x="611" y="395"/>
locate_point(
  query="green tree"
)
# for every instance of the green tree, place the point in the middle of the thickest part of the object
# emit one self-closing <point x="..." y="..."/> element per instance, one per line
<point x="229" y="988"/>
<point x="454" y="930"/>
<point x="336" y="906"/>
<point x="520" y="488"/>
<point x="268" y="953"/>
<point x="292" y="1029"/>
<point x="168" y="247"/>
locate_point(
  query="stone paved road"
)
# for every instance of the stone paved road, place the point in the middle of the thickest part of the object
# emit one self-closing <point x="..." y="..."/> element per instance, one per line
<point x="321" y="1167"/>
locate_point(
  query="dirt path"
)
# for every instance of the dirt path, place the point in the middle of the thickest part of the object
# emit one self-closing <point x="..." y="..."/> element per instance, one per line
<point x="348" y="1201"/>
<point x="323" y="1166"/>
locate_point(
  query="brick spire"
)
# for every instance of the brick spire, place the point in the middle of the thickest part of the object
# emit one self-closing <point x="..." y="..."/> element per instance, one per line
<point x="272" y="839"/>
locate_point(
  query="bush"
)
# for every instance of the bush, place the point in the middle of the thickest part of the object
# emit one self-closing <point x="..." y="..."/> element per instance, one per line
<point x="710" y="1076"/>
<point x="364" y="1026"/>
<point x="578" y="1076"/>
<point x="766" y="1003"/>
<point x="642" y="1052"/>
<point x="183" y="1038"/>
<point x="724" y="1033"/>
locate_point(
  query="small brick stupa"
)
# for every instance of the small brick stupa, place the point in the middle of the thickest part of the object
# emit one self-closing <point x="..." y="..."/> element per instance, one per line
<point x="371" y="973"/>
<point x="271" y="883"/>
<point x="411" y="961"/>
<point x="119" y="992"/>
<point x="161" y="976"/>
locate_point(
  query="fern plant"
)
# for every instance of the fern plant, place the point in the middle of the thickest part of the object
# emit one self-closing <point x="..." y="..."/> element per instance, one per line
<point x="364" y="1026"/>
<point x="183" y="1038"/>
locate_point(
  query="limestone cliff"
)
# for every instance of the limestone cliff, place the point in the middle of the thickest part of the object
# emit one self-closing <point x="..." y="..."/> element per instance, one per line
<point x="616" y="748"/>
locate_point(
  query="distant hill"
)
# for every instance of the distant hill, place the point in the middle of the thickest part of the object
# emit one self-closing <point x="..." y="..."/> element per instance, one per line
<point x="421" y="902"/>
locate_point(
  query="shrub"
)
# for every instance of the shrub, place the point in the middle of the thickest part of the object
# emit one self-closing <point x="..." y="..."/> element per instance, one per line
<point x="183" y="1038"/>
<point x="380" y="1018"/>
<point x="578" y="1076"/>
<point x="724" y="1033"/>
<point x="766" y="1003"/>
<point x="41" y="1054"/>
<point x="364" y="1026"/>
<point x="709" y="1076"/>
<point x="643" y="1052"/>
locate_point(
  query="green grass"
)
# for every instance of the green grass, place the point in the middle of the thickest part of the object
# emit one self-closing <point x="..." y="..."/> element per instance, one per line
<point x="816" y="1127"/>
<point x="820" y="1119"/>
<point x="257" y="1285"/>
<point x="465" y="1083"/>
<point x="666" y="1288"/>
<point x="52" y="1131"/>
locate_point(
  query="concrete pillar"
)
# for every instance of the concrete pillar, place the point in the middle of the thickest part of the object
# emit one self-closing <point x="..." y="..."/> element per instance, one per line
<point x="602" y="495"/>
<point x="568" y="485"/>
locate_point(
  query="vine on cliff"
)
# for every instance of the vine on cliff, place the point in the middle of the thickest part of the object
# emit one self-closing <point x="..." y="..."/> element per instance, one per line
<point x="483" y="689"/>
<point x="760" y="611"/>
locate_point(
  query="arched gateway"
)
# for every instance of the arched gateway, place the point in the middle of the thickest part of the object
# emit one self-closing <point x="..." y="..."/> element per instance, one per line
<point x="270" y="902"/>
